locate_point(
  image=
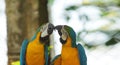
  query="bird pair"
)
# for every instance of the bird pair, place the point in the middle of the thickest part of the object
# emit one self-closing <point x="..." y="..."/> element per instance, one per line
<point x="35" y="51"/>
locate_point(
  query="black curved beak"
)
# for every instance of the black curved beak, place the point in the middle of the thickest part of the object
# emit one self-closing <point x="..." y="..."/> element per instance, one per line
<point x="50" y="28"/>
<point x="58" y="28"/>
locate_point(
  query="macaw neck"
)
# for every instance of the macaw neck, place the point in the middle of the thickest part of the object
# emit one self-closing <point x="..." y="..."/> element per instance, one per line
<point x="68" y="42"/>
<point x="37" y="39"/>
<point x="45" y="40"/>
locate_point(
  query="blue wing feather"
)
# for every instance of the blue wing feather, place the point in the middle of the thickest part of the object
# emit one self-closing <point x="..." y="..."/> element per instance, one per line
<point x="46" y="54"/>
<point x="23" y="52"/>
<point x="82" y="55"/>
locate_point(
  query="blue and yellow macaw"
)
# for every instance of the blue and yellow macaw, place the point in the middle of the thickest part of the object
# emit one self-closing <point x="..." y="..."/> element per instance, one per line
<point x="71" y="53"/>
<point x="35" y="51"/>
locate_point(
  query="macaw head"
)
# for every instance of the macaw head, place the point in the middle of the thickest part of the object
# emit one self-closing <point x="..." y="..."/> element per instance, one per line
<point x="46" y="30"/>
<point x="65" y="33"/>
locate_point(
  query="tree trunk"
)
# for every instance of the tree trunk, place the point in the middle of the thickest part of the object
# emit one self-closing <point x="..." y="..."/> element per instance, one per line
<point x="23" y="19"/>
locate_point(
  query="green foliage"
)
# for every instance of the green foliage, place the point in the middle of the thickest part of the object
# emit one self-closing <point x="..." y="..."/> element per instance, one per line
<point x="116" y="2"/>
<point x="67" y="18"/>
<point x="84" y="17"/>
<point x="104" y="13"/>
<point x="15" y="63"/>
<point x="73" y="7"/>
<point x="99" y="3"/>
<point x="90" y="46"/>
<point x="109" y="10"/>
<point x="114" y="35"/>
<point x="50" y="2"/>
<point x="112" y="41"/>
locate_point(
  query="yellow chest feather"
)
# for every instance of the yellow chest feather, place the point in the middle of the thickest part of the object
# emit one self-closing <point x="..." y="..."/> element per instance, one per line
<point x="69" y="55"/>
<point x="35" y="53"/>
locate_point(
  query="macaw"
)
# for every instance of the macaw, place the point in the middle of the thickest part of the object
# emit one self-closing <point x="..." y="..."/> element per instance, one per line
<point x="35" y="51"/>
<point x="71" y="53"/>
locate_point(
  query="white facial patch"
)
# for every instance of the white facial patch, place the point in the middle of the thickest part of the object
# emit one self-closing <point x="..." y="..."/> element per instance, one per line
<point x="64" y="34"/>
<point x="44" y="30"/>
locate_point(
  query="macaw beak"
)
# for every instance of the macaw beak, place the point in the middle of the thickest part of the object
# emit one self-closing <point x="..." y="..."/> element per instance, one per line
<point x="50" y="28"/>
<point x="58" y="28"/>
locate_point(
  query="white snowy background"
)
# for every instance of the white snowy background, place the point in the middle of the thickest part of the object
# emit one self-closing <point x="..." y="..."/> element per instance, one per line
<point x="101" y="56"/>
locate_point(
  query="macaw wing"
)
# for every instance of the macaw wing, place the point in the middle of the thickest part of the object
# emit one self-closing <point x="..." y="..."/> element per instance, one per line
<point x="23" y="52"/>
<point x="82" y="55"/>
<point x="56" y="60"/>
<point x="46" y="55"/>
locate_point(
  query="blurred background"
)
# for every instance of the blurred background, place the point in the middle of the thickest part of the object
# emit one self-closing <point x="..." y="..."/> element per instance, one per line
<point x="96" y="23"/>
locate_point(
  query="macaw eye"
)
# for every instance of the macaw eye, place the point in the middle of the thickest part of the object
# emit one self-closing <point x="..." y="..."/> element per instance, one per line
<point x="60" y="33"/>
<point x="50" y="28"/>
